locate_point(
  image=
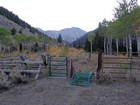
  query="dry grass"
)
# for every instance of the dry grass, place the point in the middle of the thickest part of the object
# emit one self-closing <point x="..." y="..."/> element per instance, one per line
<point x="81" y="62"/>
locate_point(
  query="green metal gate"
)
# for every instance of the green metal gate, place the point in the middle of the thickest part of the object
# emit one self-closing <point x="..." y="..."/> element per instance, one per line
<point x="58" y="66"/>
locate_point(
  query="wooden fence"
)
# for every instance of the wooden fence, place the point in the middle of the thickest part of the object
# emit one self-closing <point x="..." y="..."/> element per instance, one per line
<point x="120" y="66"/>
<point x="56" y="66"/>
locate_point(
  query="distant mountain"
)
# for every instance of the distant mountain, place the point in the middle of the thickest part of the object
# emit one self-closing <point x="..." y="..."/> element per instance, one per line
<point x="9" y="21"/>
<point x="68" y="34"/>
<point x="80" y="41"/>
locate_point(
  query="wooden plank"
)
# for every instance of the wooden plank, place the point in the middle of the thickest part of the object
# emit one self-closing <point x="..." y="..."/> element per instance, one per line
<point x="136" y="68"/>
<point x="32" y="62"/>
<point x="58" y="73"/>
<point x="58" y="56"/>
<point x="116" y="67"/>
<point x="116" y="58"/>
<point x="115" y="72"/>
<point x="10" y="70"/>
<point x="115" y="62"/>
<point x="26" y="61"/>
<point x="58" y="65"/>
<point x="36" y="71"/>
<point x="39" y="70"/>
<point x="58" y="60"/>
<point x="13" y="61"/>
<point x="5" y="64"/>
<point x="57" y="69"/>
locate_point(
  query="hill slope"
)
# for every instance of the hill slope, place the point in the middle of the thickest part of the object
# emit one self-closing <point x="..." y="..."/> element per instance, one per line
<point x="8" y="24"/>
<point x="9" y="20"/>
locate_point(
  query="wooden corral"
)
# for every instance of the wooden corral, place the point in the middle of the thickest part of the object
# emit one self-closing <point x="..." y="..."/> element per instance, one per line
<point x="120" y="66"/>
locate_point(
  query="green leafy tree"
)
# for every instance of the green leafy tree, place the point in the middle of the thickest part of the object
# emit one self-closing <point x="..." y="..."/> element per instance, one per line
<point x="122" y="27"/>
<point x="123" y="14"/>
<point x="30" y="39"/>
<point x="7" y="42"/>
<point x="20" y="39"/>
<point x="91" y="37"/>
<point x="5" y="39"/>
<point x="44" y="40"/>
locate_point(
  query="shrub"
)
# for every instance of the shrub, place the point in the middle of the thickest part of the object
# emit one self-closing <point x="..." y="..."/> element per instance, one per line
<point x="8" y="81"/>
<point x="18" y="78"/>
<point x="104" y="78"/>
<point x="5" y="82"/>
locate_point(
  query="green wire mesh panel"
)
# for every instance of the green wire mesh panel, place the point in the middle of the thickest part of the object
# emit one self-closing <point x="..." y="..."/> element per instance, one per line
<point x="80" y="78"/>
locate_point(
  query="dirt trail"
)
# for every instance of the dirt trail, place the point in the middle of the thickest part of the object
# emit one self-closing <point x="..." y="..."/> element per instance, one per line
<point x="59" y="92"/>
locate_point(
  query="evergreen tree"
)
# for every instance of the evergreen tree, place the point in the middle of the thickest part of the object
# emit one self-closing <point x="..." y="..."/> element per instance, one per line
<point x="20" y="31"/>
<point x="98" y="42"/>
<point x="87" y="46"/>
<point x="13" y="31"/>
<point x="59" y="39"/>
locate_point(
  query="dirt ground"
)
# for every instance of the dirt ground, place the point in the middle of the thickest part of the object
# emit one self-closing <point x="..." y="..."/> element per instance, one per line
<point x="56" y="91"/>
<point x="50" y="91"/>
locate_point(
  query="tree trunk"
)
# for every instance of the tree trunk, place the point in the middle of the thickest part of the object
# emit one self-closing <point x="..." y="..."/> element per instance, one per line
<point x="30" y="47"/>
<point x="126" y="40"/>
<point x="20" y="47"/>
<point x="105" y="45"/>
<point x="9" y="50"/>
<point x="138" y="45"/>
<point x="130" y="45"/>
<point x="4" y="48"/>
<point x="0" y="48"/>
<point x="44" y="46"/>
<point x="110" y="44"/>
<point x="91" y="46"/>
<point x="117" y="45"/>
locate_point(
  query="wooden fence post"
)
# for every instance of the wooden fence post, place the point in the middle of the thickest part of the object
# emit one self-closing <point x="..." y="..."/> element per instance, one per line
<point x="72" y="69"/>
<point x="44" y="60"/>
<point x="49" y="63"/>
<point x="99" y="63"/>
<point x="69" y="69"/>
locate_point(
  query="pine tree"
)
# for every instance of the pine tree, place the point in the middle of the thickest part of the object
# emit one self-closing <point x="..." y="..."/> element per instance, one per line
<point x="87" y="46"/>
<point x="59" y="39"/>
<point x="13" y="31"/>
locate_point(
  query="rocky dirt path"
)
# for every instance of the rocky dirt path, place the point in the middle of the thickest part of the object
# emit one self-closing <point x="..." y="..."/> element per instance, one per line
<point x="59" y="92"/>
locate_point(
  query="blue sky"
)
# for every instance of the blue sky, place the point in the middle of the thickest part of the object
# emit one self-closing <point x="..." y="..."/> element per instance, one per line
<point x="59" y="14"/>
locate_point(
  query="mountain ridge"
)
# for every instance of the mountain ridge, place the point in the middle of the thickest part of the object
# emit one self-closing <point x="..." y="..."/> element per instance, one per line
<point x="68" y="34"/>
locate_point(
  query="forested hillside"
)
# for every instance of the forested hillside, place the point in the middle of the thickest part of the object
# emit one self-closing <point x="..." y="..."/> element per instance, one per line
<point x="82" y="40"/>
<point x="11" y="16"/>
<point x="17" y="35"/>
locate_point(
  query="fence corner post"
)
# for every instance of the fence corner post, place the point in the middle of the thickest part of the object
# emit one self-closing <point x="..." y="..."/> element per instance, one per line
<point x="99" y="63"/>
